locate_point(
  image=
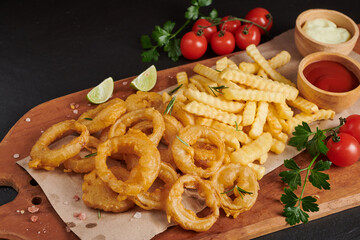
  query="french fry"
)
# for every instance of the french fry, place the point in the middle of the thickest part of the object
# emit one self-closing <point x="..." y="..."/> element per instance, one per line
<point x="181" y="115"/>
<point x="221" y="64"/>
<point x="259" y="170"/>
<point x="277" y="146"/>
<point x="198" y="84"/>
<point x="240" y="135"/>
<point x="304" y="105"/>
<point x="280" y="59"/>
<point x="322" y="114"/>
<point x="273" y="121"/>
<point x="253" y="95"/>
<point x="203" y="121"/>
<point x="275" y="62"/>
<point x="283" y="110"/>
<point x="224" y="105"/>
<point x="253" y="150"/>
<point x="204" y="110"/>
<point x="263" y="158"/>
<point x="205" y="82"/>
<point x="249" y="113"/>
<point x="260" y="83"/>
<point x="248" y="67"/>
<point x="254" y="53"/>
<point x="182" y="78"/>
<point x="214" y="76"/>
<point x="262" y="73"/>
<point x="260" y="119"/>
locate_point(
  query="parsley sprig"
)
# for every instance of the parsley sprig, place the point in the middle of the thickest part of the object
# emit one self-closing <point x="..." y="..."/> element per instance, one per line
<point x="165" y="38"/>
<point x="296" y="207"/>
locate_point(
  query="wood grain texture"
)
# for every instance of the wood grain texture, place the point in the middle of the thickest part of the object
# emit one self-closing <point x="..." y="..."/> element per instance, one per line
<point x="261" y="220"/>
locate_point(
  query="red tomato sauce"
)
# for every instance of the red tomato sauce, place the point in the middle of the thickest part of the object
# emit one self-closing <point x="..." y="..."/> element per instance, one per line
<point x="330" y="76"/>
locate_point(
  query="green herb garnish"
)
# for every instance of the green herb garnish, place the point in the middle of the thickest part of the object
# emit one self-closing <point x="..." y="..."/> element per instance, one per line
<point x="170" y="106"/>
<point x="239" y="189"/>
<point x="296" y="207"/>
<point x="165" y="38"/>
<point x="90" y="119"/>
<point x="182" y="141"/>
<point x="175" y="89"/>
<point x="217" y="89"/>
<point x="90" y="155"/>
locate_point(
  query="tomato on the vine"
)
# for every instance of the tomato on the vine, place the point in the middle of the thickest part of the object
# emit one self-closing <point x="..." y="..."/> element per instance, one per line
<point x="193" y="45"/>
<point x="229" y="26"/>
<point x="260" y="16"/>
<point x="344" y="152"/>
<point x="247" y="34"/>
<point x="207" y="28"/>
<point x="223" y="42"/>
<point x="352" y="126"/>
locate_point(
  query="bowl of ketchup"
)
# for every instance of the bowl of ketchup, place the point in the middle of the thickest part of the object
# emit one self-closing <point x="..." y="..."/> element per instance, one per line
<point x="330" y="80"/>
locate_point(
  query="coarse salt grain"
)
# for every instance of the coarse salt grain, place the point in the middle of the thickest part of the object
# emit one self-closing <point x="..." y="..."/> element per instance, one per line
<point x="80" y="216"/>
<point x="125" y="83"/>
<point x="16" y="155"/>
<point x="76" y="197"/>
<point x="27" y="119"/>
<point x="34" y="218"/>
<point x="66" y="203"/>
<point x="33" y="209"/>
<point x="75" y="111"/>
<point x="137" y="215"/>
<point x="22" y="211"/>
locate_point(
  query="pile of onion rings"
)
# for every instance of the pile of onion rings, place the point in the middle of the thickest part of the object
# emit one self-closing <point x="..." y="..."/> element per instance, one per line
<point x="132" y="153"/>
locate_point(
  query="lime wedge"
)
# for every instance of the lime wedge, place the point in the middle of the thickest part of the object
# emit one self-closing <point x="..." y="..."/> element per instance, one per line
<point x="146" y="80"/>
<point x="102" y="92"/>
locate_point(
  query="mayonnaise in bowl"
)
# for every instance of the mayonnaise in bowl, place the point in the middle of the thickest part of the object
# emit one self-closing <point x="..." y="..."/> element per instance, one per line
<point x="326" y="31"/>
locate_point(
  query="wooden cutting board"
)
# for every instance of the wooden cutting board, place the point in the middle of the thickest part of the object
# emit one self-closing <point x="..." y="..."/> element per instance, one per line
<point x="262" y="219"/>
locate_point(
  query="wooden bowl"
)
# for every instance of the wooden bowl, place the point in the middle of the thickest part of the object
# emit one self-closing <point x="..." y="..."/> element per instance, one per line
<point x="325" y="99"/>
<point x="307" y="45"/>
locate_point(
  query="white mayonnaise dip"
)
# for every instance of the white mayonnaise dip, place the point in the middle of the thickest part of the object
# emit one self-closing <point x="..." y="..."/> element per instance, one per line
<point x="326" y="31"/>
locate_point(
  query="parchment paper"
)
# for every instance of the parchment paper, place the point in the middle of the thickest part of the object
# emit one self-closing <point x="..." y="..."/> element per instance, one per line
<point x="61" y="187"/>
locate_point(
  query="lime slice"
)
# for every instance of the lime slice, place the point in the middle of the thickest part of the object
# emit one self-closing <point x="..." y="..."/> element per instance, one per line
<point x="102" y="92"/>
<point x="146" y="80"/>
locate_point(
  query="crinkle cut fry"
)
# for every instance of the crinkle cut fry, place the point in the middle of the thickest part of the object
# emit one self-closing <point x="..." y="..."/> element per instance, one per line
<point x="253" y="95"/>
<point x="260" y="83"/>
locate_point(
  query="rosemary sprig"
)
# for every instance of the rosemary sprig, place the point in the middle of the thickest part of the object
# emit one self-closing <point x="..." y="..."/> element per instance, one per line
<point x="182" y="141"/>
<point x="175" y="89"/>
<point x="90" y="155"/>
<point x="170" y="106"/>
<point x="217" y="89"/>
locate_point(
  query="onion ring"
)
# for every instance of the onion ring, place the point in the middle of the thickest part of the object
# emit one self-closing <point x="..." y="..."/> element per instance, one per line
<point x="103" y="115"/>
<point x="245" y="178"/>
<point x="184" y="155"/>
<point x="130" y="118"/>
<point x="186" y="218"/>
<point x="142" y="175"/>
<point x="172" y="127"/>
<point x="157" y="198"/>
<point x="96" y="194"/>
<point x="85" y="164"/>
<point x="143" y="100"/>
<point x="48" y="159"/>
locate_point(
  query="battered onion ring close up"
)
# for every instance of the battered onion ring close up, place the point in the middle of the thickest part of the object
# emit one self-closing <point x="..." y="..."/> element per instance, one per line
<point x="242" y="176"/>
<point x="44" y="157"/>
<point x="96" y="194"/>
<point x="184" y="155"/>
<point x="131" y="118"/>
<point x="186" y="218"/>
<point x="142" y="175"/>
<point x="143" y="100"/>
<point x="103" y="115"/>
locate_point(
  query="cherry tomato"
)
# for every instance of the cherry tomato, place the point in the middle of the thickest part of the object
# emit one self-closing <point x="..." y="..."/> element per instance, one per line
<point x="229" y="26"/>
<point x="344" y="152"/>
<point x="222" y="42"/>
<point x="260" y="16"/>
<point x="352" y="126"/>
<point x="247" y="34"/>
<point x="193" y="45"/>
<point x="208" y="31"/>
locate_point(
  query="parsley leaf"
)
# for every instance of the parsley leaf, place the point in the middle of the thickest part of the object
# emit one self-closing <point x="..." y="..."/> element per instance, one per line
<point x="149" y="55"/>
<point x="308" y="204"/>
<point x="289" y="198"/>
<point x="173" y="49"/>
<point x="301" y="136"/>
<point x="292" y="178"/>
<point x="319" y="179"/>
<point x="294" y="215"/>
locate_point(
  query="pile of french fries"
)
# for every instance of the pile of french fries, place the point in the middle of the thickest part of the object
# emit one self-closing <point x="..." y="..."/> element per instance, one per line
<point x="252" y="103"/>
